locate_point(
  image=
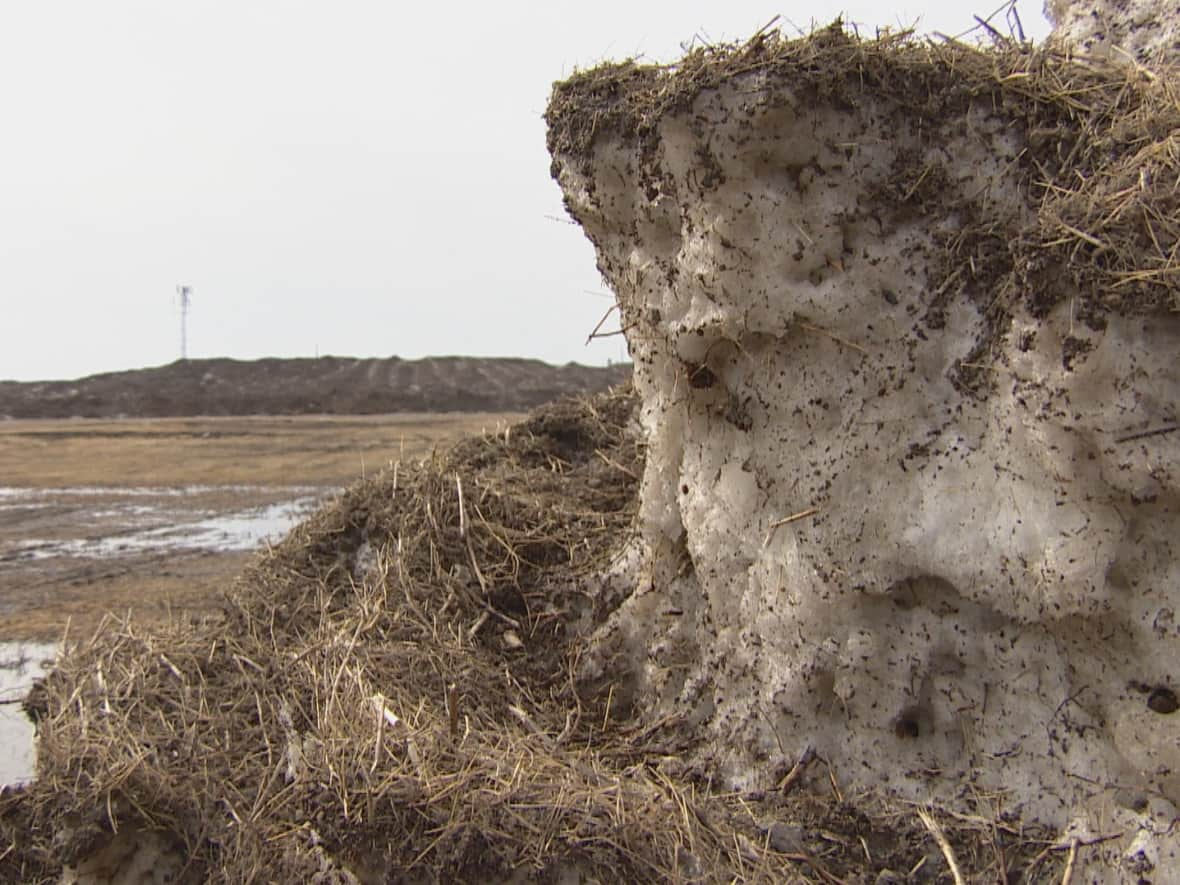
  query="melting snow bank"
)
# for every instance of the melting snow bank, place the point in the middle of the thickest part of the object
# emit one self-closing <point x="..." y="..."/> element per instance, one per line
<point x="904" y="324"/>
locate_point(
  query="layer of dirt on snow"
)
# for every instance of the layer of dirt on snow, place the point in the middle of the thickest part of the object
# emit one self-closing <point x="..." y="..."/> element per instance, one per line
<point x="328" y="385"/>
<point x="904" y="320"/>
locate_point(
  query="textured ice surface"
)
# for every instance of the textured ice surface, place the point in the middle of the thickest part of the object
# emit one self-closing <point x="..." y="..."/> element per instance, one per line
<point x="950" y="593"/>
<point x="1139" y="30"/>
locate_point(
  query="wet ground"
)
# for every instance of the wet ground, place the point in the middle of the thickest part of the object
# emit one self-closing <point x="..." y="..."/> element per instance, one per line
<point x="20" y="664"/>
<point x="99" y="523"/>
<point x="157" y="517"/>
<point x="75" y="552"/>
<point x="153" y="520"/>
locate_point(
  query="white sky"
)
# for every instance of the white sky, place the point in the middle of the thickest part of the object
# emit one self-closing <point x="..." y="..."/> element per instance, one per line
<point x="354" y="177"/>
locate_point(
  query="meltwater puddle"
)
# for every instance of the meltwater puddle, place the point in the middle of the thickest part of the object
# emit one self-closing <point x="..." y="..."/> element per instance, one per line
<point x="243" y="530"/>
<point x="20" y="664"/>
<point x="114" y="522"/>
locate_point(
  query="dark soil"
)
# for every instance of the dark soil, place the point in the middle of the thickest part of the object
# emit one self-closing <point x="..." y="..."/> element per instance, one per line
<point x="328" y="385"/>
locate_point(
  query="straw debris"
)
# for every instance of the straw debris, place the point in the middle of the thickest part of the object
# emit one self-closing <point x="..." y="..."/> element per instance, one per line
<point x="358" y="713"/>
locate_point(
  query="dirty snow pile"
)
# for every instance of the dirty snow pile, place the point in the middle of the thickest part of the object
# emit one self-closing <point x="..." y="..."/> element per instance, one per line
<point x="1143" y="30"/>
<point x="912" y="495"/>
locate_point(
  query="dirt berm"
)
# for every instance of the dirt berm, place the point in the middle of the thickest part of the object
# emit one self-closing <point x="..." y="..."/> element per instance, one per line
<point x="326" y="386"/>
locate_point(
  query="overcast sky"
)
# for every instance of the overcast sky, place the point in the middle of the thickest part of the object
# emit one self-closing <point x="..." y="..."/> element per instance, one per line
<point x="352" y="178"/>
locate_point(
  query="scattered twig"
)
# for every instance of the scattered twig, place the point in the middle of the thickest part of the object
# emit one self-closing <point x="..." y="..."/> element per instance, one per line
<point x="1072" y="847"/>
<point x="615" y="464"/>
<point x="474" y="629"/>
<point x="1082" y="235"/>
<point x="597" y="326"/>
<point x="794" y="517"/>
<point x="1067" y="874"/>
<point x="453" y="709"/>
<point x="832" y="779"/>
<point x="1146" y="73"/>
<point x="837" y="338"/>
<point x="797" y="770"/>
<point x="943" y="844"/>
<point x="787" y="520"/>
<point x="1014" y="19"/>
<point x="1144" y="434"/>
<point x="462" y="512"/>
<point x="995" y="35"/>
<point x="762" y="30"/>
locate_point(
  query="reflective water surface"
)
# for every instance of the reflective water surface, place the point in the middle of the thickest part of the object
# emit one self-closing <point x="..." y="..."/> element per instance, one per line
<point x="20" y="664"/>
<point x="112" y="522"/>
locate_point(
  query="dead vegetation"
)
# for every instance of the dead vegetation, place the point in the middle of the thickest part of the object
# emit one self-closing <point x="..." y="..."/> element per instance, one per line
<point x="257" y="450"/>
<point x="390" y="696"/>
<point x="201" y="466"/>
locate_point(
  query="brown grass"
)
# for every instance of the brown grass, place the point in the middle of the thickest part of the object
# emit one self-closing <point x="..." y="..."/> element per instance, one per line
<point x="39" y="598"/>
<point x="300" y="450"/>
<point x="391" y="695"/>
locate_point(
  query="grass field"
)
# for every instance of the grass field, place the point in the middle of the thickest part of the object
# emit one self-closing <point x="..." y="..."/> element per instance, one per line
<point x="68" y="480"/>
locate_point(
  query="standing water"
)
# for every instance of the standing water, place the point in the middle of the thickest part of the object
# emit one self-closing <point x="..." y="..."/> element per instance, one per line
<point x="20" y="664"/>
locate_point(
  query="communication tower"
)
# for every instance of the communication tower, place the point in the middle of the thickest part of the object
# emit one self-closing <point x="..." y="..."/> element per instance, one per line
<point x="185" y="293"/>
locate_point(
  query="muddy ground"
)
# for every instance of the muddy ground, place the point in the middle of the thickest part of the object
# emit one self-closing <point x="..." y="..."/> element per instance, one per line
<point x="158" y="516"/>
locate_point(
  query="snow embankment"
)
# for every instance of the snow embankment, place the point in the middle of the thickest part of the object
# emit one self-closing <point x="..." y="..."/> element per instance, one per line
<point x="912" y="495"/>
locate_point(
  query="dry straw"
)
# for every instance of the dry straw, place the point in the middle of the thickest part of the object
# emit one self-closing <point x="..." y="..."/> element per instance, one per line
<point x="360" y="712"/>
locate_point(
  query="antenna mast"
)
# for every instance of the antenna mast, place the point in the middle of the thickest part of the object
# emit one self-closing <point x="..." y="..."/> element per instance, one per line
<point x="185" y="293"/>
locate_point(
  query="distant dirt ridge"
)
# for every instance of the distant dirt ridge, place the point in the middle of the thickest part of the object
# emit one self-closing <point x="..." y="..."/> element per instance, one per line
<point x="326" y="385"/>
